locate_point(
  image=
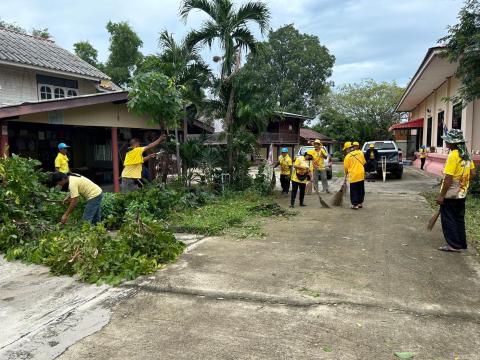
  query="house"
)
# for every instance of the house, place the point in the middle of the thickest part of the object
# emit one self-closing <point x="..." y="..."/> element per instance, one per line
<point x="49" y="95"/>
<point x="429" y="112"/>
<point x="308" y="136"/>
<point x="283" y="130"/>
<point x="408" y="136"/>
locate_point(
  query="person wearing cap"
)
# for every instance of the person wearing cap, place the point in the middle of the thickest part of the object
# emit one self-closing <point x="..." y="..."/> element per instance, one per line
<point x="285" y="163"/>
<point x="61" y="161"/>
<point x="301" y="174"/>
<point x="133" y="163"/>
<point x="459" y="169"/>
<point x="319" y="155"/>
<point x="423" y="156"/>
<point x="372" y="157"/>
<point x="354" y="166"/>
<point x="78" y="185"/>
<point x="356" y="145"/>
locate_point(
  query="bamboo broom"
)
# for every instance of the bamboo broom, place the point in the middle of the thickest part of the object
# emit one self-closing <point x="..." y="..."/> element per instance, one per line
<point x="337" y="199"/>
<point x="433" y="220"/>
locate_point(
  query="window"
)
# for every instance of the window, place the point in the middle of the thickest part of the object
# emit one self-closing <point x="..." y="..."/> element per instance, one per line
<point x="441" y="117"/>
<point x="429" y="131"/>
<point x="384" y="145"/>
<point x="457" y="116"/>
<point x="59" y="93"/>
<point x="45" y="93"/>
<point x="71" y="93"/>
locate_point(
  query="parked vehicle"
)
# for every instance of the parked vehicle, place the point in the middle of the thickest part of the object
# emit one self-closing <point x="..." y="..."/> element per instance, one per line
<point x="327" y="161"/>
<point x="394" y="156"/>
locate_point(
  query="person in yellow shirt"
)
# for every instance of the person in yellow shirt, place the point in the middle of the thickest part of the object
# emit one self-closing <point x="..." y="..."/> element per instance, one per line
<point x="285" y="163"/>
<point x="79" y="185"/>
<point x="354" y="166"/>
<point x="61" y="161"/>
<point x="132" y="165"/>
<point x="423" y="156"/>
<point x="356" y="145"/>
<point x="319" y="156"/>
<point x="459" y="169"/>
<point x="301" y="174"/>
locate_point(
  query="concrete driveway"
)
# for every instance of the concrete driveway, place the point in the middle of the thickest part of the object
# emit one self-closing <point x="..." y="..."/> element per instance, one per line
<point x="326" y="284"/>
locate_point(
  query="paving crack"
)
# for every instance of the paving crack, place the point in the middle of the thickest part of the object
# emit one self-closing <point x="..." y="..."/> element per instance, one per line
<point x="275" y="300"/>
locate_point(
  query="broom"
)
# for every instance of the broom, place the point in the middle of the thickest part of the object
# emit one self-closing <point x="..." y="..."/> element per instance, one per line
<point x="322" y="202"/>
<point x="337" y="199"/>
<point x="433" y="220"/>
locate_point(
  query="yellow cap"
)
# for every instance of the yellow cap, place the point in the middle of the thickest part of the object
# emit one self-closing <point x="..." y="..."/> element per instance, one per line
<point x="372" y="145"/>
<point x="317" y="142"/>
<point x="347" y="145"/>
<point x="311" y="153"/>
<point x="356" y="143"/>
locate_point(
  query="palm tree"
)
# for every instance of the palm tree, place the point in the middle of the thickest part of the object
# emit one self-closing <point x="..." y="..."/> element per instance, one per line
<point x="229" y="27"/>
<point x="182" y="62"/>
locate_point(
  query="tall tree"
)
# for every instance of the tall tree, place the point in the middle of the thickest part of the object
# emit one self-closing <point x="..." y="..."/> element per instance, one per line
<point x="363" y="110"/>
<point x="229" y="27"/>
<point x="124" y="52"/>
<point x="85" y="51"/>
<point x="294" y="69"/>
<point x="462" y="44"/>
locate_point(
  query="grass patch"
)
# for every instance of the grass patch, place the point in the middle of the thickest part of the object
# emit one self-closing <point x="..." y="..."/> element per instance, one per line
<point x="472" y="220"/>
<point x="232" y="210"/>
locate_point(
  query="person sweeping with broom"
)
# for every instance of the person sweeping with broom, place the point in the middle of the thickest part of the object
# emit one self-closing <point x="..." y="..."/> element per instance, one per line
<point x="354" y="166"/>
<point x="459" y="169"/>
<point x="301" y="174"/>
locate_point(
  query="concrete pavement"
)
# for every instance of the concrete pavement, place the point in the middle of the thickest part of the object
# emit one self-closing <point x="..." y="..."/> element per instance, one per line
<point x="326" y="284"/>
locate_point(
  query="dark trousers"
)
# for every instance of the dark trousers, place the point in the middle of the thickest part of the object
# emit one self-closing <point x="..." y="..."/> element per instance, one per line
<point x="453" y="222"/>
<point x="295" y="187"/>
<point x="422" y="162"/>
<point x="371" y="166"/>
<point x="357" y="192"/>
<point x="285" y="183"/>
<point x="93" y="210"/>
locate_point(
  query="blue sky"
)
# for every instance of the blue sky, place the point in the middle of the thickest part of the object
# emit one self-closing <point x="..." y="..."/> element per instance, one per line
<point x="379" y="39"/>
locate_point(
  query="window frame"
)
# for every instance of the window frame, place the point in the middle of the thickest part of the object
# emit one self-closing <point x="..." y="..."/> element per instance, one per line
<point x="54" y="89"/>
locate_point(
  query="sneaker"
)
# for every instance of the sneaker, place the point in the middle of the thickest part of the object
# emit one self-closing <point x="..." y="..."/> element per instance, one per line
<point x="303" y="205"/>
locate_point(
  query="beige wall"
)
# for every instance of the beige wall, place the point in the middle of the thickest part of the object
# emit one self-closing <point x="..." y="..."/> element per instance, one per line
<point x="18" y="85"/>
<point x="103" y="115"/>
<point x="436" y="103"/>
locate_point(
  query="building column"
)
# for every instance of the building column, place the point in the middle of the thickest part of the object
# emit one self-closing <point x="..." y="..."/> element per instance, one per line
<point x="3" y="139"/>
<point x="467" y="124"/>
<point x="116" y="167"/>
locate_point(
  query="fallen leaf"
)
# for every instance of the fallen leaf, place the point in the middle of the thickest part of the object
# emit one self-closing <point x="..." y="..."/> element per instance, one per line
<point x="404" y="354"/>
<point x="359" y="325"/>
<point x="327" y="348"/>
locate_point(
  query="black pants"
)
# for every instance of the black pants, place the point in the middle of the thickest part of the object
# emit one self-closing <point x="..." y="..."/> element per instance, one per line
<point x="371" y="166"/>
<point x="357" y="192"/>
<point x="295" y="187"/>
<point x="422" y="162"/>
<point x="285" y="183"/>
<point x="453" y="222"/>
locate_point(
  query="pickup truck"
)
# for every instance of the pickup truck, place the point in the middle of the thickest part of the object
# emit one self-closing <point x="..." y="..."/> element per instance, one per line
<point x="328" y="160"/>
<point x="388" y="149"/>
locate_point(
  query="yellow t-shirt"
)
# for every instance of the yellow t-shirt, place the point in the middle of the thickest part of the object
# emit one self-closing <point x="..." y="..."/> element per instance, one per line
<point x="301" y="162"/>
<point x="423" y="153"/>
<point x="354" y="166"/>
<point x="318" y="160"/>
<point x="133" y="164"/>
<point x="460" y="170"/>
<point x="371" y="154"/>
<point x="80" y="185"/>
<point x="61" y="162"/>
<point x="285" y="164"/>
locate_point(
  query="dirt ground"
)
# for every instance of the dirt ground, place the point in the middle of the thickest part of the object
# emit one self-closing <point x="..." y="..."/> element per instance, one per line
<point x="325" y="284"/>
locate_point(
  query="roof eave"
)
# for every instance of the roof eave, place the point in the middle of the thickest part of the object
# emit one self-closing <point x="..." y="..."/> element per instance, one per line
<point x="53" y="71"/>
<point x="431" y="53"/>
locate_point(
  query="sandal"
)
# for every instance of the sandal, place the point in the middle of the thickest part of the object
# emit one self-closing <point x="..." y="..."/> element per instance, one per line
<point x="449" y="249"/>
<point x="360" y="206"/>
<point x="354" y="207"/>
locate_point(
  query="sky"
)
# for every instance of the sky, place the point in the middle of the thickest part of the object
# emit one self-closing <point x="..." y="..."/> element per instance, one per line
<point x="380" y="39"/>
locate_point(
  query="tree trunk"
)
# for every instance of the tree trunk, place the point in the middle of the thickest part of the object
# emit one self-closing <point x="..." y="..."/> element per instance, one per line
<point x="177" y="150"/>
<point x="185" y="138"/>
<point x="229" y="119"/>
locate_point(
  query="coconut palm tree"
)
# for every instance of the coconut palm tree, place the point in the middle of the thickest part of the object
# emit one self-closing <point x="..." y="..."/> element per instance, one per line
<point x="228" y="26"/>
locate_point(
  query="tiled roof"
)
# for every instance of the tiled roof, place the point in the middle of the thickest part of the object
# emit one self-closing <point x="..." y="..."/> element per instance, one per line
<point x="30" y="50"/>
<point x="310" y="134"/>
